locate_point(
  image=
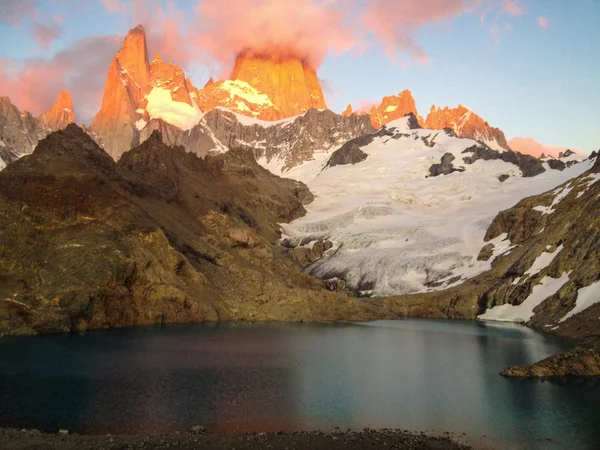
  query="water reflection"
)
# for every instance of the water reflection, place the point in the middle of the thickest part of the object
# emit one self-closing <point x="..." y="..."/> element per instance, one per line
<point x="413" y="374"/>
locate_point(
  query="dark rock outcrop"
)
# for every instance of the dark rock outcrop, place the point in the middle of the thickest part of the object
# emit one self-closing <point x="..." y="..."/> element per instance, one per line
<point x="566" y="154"/>
<point x="349" y="153"/>
<point x="502" y="178"/>
<point x="556" y="164"/>
<point x="486" y="252"/>
<point x="445" y="167"/>
<point x="529" y="165"/>
<point x="413" y="121"/>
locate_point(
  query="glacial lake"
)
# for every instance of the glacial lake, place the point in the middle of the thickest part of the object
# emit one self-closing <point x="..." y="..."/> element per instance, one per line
<point x="409" y="374"/>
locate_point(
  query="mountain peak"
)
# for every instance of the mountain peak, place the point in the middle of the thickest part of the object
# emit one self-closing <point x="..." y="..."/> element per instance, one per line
<point x="466" y="124"/>
<point x="61" y="114"/>
<point x="127" y="84"/>
<point x="394" y="107"/>
<point x="138" y="29"/>
<point x="290" y="82"/>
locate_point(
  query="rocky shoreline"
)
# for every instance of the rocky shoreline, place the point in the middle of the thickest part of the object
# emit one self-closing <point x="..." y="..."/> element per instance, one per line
<point x="581" y="361"/>
<point x="13" y="439"/>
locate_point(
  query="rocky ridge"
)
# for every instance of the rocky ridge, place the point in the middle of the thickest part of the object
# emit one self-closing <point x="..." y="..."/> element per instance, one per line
<point x="20" y="131"/>
<point x="394" y="107"/>
<point x="280" y="145"/>
<point x="466" y="124"/>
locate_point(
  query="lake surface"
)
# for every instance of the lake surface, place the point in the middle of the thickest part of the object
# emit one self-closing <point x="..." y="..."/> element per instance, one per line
<point x="409" y="374"/>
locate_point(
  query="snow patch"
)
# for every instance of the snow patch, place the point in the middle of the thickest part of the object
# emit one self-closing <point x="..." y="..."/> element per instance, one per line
<point x="560" y="195"/>
<point x="543" y="261"/>
<point x="161" y="106"/>
<point x="140" y="124"/>
<point x="586" y="297"/>
<point x="391" y="108"/>
<point x="524" y="312"/>
<point x="239" y="88"/>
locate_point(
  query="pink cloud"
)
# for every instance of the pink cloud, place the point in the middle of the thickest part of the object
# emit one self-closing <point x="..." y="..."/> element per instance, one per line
<point x="25" y="13"/>
<point x="302" y="28"/>
<point x="114" y="6"/>
<point x="393" y="22"/>
<point x="529" y="146"/>
<point x="306" y="29"/>
<point x="15" y="12"/>
<point x="543" y="22"/>
<point x="81" y="69"/>
<point x="513" y="7"/>
<point x="364" y="106"/>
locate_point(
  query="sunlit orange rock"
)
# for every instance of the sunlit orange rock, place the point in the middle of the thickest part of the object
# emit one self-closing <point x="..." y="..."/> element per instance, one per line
<point x="394" y="107"/>
<point x="60" y="115"/>
<point x="171" y="77"/>
<point x="130" y="79"/>
<point x="123" y="102"/>
<point x="466" y="124"/>
<point x="348" y="111"/>
<point x="290" y="83"/>
<point x="237" y="96"/>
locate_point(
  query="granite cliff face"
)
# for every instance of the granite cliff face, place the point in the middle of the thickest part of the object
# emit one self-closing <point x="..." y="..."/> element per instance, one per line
<point x="282" y="144"/>
<point x="129" y="82"/>
<point x="290" y="83"/>
<point x="394" y="107"/>
<point x="60" y="115"/>
<point x="162" y="236"/>
<point x="20" y="131"/>
<point x="466" y="124"/>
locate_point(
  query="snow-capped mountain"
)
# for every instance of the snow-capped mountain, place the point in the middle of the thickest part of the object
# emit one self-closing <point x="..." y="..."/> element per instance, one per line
<point x="466" y="124"/>
<point x="278" y="145"/>
<point x="20" y="131"/>
<point x="398" y="224"/>
<point x="138" y="91"/>
<point x="135" y="91"/>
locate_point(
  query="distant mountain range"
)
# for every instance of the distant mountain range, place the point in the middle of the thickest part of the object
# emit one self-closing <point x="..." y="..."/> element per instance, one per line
<point x="138" y="90"/>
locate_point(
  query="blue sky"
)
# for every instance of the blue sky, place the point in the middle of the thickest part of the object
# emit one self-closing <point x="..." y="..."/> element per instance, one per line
<point x="528" y="80"/>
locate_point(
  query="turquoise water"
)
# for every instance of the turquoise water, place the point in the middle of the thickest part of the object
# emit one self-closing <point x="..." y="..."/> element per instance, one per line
<point x="409" y="374"/>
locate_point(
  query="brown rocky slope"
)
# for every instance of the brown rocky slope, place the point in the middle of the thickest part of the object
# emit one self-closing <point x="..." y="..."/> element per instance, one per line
<point x="162" y="236"/>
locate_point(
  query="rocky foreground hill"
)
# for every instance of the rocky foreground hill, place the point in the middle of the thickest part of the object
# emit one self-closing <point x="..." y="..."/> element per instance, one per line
<point x="162" y="236"/>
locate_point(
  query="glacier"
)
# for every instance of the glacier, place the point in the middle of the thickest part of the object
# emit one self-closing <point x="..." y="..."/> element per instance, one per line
<point x="395" y="229"/>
